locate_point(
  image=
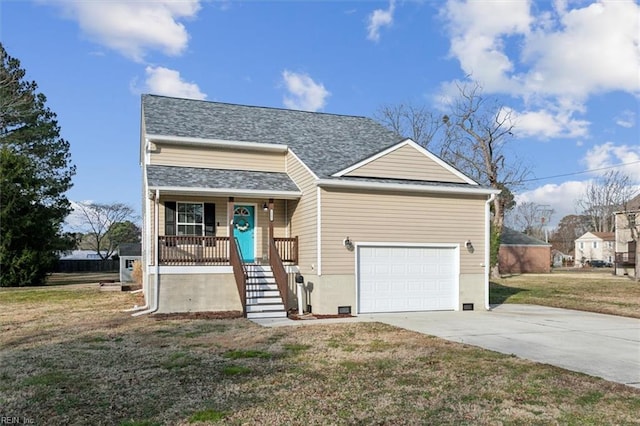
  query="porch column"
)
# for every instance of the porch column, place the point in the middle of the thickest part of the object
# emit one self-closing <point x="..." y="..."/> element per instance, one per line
<point x="270" y="219"/>
<point x="230" y="219"/>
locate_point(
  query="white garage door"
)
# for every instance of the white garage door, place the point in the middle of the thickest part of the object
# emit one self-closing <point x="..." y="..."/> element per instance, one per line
<point x="406" y="279"/>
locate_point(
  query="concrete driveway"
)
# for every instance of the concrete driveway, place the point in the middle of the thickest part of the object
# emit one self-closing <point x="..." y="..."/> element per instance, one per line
<point x="600" y="345"/>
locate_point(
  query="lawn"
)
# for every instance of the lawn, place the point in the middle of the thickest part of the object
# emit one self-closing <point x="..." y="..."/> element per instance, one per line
<point x="594" y="291"/>
<point x="71" y="356"/>
<point x="82" y="278"/>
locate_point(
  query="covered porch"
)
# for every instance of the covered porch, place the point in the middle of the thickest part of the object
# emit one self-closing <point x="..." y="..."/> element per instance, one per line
<point x="217" y="222"/>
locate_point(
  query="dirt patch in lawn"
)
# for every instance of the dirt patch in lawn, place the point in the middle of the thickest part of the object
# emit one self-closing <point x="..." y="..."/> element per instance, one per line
<point x="590" y="291"/>
<point x="198" y="315"/>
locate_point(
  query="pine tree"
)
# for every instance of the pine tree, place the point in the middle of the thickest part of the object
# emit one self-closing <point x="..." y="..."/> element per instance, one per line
<point x="35" y="173"/>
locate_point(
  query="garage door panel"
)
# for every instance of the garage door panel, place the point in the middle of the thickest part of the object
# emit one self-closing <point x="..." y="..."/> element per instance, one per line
<point x="401" y="279"/>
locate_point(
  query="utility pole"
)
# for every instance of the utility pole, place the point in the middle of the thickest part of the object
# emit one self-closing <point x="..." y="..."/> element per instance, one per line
<point x="545" y="216"/>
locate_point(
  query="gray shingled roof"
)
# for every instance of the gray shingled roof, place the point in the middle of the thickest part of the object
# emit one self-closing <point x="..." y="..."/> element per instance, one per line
<point x="130" y="249"/>
<point x="515" y="238"/>
<point x="326" y="143"/>
<point x="193" y="177"/>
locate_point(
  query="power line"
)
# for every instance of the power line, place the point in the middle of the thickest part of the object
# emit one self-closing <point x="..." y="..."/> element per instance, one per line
<point x="580" y="173"/>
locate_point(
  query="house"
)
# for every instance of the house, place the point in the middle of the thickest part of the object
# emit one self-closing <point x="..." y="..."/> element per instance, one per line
<point x="128" y="254"/>
<point x="594" y="246"/>
<point x="82" y="255"/>
<point x="260" y="210"/>
<point x="626" y="241"/>
<point x="560" y="259"/>
<point x="520" y="253"/>
<point x="84" y="261"/>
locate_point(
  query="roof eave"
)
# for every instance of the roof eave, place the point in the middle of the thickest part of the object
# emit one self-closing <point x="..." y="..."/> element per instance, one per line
<point x="406" y="187"/>
<point x="227" y="192"/>
<point x="190" y="141"/>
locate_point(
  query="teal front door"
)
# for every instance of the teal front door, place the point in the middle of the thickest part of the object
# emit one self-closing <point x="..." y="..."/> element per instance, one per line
<point x="244" y="223"/>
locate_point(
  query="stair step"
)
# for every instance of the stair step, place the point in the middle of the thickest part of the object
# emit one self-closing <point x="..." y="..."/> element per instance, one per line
<point x="262" y="293"/>
<point x="261" y="279"/>
<point x="274" y="314"/>
<point x="258" y="268"/>
<point x="261" y="286"/>
<point x="264" y="307"/>
<point x="264" y="300"/>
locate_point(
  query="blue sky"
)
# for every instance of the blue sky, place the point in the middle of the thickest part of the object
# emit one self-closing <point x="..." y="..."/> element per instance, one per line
<point x="569" y="71"/>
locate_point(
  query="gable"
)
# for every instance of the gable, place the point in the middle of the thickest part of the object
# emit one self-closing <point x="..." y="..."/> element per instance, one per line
<point x="587" y="236"/>
<point x="597" y="236"/>
<point x="406" y="160"/>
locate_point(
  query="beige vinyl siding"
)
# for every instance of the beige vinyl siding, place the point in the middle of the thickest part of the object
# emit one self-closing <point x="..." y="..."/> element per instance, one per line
<point x="368" y="216"/>
<point x="406" y="163"/>
<point x="217" y="158"/>
<point x="303" y="214"/>
<point x="222" y="229"/>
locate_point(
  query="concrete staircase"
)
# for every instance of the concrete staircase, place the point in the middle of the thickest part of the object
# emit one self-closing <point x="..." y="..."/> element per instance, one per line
<point x="263" y="297"/>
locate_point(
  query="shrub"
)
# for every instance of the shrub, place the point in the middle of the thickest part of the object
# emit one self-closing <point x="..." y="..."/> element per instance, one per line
<point x="137" y="272"/>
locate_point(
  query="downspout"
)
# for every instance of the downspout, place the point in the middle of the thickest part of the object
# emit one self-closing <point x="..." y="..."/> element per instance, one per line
<point x="487" y="249"/>
<point x="156" y="287"/>
<point x="146" y="245"/>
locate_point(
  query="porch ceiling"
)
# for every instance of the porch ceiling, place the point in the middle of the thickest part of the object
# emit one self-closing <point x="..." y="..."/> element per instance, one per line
<point x="194" y="180"/>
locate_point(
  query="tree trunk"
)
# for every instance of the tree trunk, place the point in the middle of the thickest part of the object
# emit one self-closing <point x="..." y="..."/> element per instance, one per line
<point x="495" y="272"/>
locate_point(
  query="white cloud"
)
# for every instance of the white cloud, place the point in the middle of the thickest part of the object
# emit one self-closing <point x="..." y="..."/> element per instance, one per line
<point x="380" y="18"/>
<point x="477" y="29"/>
<point x="610" y="154"/>
<point x="546" y="124"/>
<point x="167" y="82"/>
<point x="594" y="50"/>
<point x="626" y="119"/>
<point x="554" y="60"/>
<point x="132" y="28"/>
<point x="561" y="198"/>
<point x="304" y="93"/>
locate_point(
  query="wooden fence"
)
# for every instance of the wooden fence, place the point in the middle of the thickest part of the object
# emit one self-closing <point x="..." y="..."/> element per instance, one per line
<point x="87" y="265"/>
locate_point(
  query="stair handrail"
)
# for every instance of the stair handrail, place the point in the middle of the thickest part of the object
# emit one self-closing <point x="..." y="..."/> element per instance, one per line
<point x="239" y="271"/>
<point x="279" y="273"/>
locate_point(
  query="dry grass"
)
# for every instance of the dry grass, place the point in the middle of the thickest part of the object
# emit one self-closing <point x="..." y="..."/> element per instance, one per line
<point x="71" y="356"/>
<point x="82" y="278"/>
<point x="592" y="291"/>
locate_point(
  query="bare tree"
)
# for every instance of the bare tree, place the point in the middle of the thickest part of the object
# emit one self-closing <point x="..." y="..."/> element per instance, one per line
<point x="603" y="197"/>
<point x="98" y="222"/>
<point x="410" y="120"/>
<point x="532" y="219"/>
<point x="478" y="130"/>
<point x="568" y="230"/>
<point x="472" y="138"/>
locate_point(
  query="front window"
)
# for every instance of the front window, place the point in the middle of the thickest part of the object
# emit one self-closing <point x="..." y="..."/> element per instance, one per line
<point x="581" y="245"/>
<point x="190" y="218"/>
<point x="595" y="244"/>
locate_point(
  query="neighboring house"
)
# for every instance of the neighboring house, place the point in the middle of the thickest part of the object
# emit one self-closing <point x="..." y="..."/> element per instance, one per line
<point x="85" y="261"/>
<point x="363" y="220"/>
<point x="128" y="254"/>
<point x="520" y="253"/>
<point x="625" y="245"/>
<point x="594" y="246"/>
<point x="82" y="255"/>
<point x="560" y="259"/>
